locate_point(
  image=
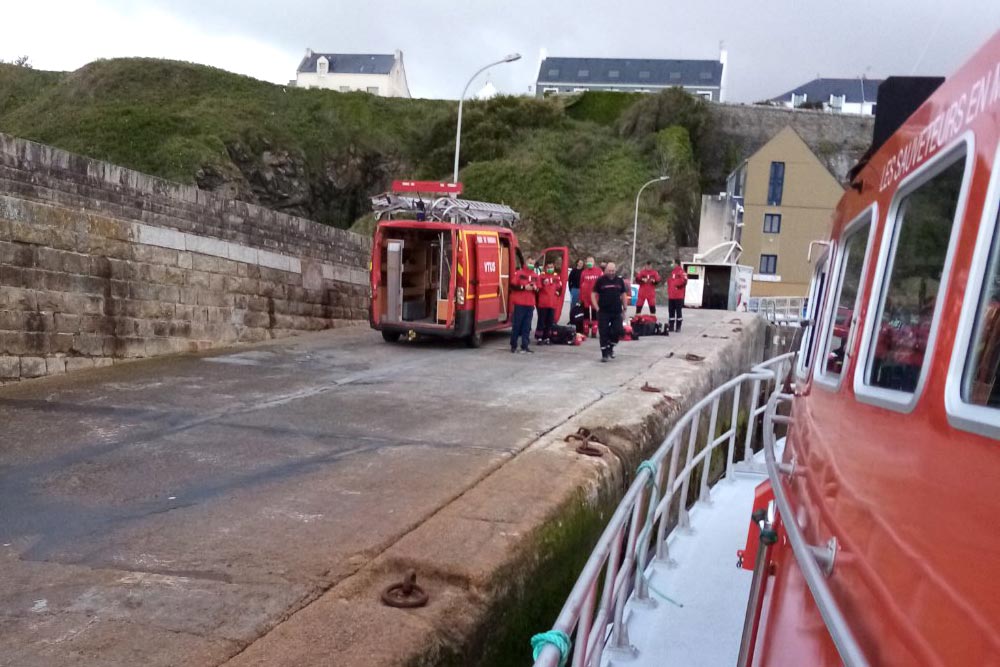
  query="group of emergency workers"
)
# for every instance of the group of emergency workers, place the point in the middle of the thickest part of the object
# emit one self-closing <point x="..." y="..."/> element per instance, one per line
<point x="599" y="299"/>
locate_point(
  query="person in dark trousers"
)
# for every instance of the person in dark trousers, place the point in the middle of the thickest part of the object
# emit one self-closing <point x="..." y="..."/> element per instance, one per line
<point x="523" y="287"/>
<point x="573" y="282"/>
<point x="676" y="284"/>
<point x="577" y="314"/>
<point x="647" y="279"/>
<point x="610" y="298"/>
<point x="550" y="294"/>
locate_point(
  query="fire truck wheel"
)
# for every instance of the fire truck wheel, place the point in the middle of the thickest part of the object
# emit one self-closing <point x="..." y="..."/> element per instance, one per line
<point x="391" y="336"/>
<point x="474" y="340"/>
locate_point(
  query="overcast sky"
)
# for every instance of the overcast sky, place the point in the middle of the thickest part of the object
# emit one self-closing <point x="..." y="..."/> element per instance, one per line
<point x="773" y="44"/>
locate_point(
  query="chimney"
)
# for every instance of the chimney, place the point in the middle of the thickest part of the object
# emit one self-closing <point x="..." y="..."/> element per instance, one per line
<point x="309" y="52"/>
<point x="399" y="56"/>
<point x="724" y="61"/>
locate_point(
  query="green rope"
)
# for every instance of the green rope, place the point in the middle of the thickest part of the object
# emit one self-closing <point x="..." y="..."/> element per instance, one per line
<point x="560" y="639"/>
<point x="556" y="638"/>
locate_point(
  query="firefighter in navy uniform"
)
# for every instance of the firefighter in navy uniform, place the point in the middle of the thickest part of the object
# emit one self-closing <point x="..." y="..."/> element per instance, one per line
<point x="523" y="287"/>
<point x="610" y="298"/>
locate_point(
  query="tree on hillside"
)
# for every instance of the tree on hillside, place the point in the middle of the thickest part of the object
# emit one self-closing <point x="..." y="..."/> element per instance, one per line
<point x="20" y="61"/>
<point x="675" y="158"/>
<point x="668" y="108"/>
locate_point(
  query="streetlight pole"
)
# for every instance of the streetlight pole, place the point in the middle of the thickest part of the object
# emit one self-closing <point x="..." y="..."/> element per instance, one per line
<point x="635" y="225"/>
<point x="458" y="133"/>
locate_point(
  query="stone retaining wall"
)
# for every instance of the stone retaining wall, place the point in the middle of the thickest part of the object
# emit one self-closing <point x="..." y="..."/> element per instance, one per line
<point x="99" y="263"/>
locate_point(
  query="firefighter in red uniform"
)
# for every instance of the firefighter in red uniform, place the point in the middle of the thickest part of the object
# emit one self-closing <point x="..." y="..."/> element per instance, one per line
<point x="550" y="293"/>
<point x="523" y="287"/>
<point x="587" y="279"/>
<point x="647" y="279"/>
<point x="676" y="284"/>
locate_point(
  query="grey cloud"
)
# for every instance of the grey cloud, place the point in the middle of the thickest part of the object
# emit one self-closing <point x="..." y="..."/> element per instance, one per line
<point x="773" y="44"/>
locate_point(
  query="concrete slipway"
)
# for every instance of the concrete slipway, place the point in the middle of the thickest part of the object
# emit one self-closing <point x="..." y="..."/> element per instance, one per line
<point x="247" y="507"/>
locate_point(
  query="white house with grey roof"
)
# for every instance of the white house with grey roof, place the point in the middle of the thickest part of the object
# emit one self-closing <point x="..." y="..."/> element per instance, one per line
<point x="704" y="78"/>
<point x="857" y="96"/>
<point x="378" y="74"/>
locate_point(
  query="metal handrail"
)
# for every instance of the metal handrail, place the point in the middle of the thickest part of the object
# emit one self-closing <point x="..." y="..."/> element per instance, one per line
<point x="806" y="554"/>
<point x="617" y="553"/>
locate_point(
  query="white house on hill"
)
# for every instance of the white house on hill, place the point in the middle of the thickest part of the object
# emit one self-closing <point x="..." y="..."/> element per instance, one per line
<point x="857" y="96"/>
<point x="378" y="74"/>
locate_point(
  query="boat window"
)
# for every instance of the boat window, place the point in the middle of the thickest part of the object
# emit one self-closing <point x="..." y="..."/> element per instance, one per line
<point x="851" y="266"/>
<point x="923" y="227"/>
<point x="817" y="292"/>
<point x="981" y="382"/>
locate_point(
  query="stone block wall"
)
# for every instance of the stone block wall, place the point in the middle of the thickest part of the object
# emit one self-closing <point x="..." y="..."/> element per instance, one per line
<point x="100" y="264"/>
<point x="838" y="140"/>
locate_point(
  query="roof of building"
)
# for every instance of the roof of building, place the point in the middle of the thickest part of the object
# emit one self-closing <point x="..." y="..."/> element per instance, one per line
<point x="631" y="71"/>
<point x="820" y="90"/>
<point x="351" y="63"/>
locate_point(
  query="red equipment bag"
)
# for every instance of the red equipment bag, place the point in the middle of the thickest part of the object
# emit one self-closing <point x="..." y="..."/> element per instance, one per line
<point x="644" y="325"/>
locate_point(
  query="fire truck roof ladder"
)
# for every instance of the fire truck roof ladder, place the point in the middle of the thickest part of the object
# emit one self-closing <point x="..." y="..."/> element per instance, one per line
<point x="443" y="209"/>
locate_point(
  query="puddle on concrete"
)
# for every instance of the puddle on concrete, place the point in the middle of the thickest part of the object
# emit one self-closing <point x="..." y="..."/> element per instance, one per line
<point x="251" y="358"/>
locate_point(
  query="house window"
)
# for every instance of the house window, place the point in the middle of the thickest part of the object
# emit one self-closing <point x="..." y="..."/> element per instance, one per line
<point x="922" y="233"/>
<point x="705" y="76"/>
<point x="704" y="94"/>
<point x="549" y="90"/>
<point x="776" y="184"/>
<point x="799" y="100"/>
<point x="837" y="102"/>
<point x="644" y="74"/>
<point x="772" y="223"/>
<point x="768" y="264"/>
<point x="553" y="73"/>
<point x="583" y="73"/>
<point x="322" y="66"/>
<point x="675" y="76"/>
<point x="373" y="90"/>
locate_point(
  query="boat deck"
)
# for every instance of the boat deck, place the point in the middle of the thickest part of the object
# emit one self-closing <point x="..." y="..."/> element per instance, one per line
<point x="703" y="577"/>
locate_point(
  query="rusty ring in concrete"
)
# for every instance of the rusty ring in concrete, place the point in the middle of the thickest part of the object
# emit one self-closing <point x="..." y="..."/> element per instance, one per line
<point x="405" y="594"/>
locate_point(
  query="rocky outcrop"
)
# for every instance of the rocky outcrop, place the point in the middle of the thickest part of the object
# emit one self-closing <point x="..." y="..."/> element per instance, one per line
<point x="335" y="191"/>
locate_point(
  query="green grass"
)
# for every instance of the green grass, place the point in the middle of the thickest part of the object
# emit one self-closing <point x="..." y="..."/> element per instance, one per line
<point x="602" y="107"/>
<point x="571" y="170"/>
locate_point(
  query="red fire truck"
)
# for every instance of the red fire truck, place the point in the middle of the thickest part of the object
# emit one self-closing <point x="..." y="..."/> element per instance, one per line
<point x="441" y="266"/>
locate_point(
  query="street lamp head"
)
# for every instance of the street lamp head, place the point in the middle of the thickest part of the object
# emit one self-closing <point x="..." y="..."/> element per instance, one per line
<point x="512" y="57"/>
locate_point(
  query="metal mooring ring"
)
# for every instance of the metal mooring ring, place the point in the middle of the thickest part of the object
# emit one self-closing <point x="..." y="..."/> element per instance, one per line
<point x="405" y="594"/>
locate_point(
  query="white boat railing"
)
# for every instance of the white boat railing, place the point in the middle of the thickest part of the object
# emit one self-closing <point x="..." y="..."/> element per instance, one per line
<point x="779" y="309"/>
<point x="655" y="503"/>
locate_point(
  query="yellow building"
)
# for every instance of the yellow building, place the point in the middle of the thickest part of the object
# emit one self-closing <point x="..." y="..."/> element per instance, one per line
<point x="788" y="198"/>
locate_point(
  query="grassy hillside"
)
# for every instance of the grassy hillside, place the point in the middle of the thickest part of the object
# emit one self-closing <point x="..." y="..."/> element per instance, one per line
<point x="571" y="169"/>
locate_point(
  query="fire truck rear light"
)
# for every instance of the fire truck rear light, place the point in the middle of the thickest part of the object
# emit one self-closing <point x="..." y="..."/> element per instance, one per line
<point x="460" y="296"/>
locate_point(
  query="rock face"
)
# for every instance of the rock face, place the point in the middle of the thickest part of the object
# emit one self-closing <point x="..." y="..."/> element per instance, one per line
<point x="335" y="191"/>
